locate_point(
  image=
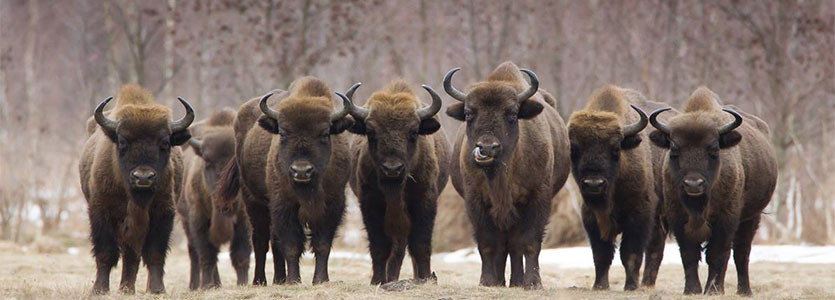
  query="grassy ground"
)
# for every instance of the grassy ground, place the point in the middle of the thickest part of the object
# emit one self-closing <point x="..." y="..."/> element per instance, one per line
<point x="26" y="275"/>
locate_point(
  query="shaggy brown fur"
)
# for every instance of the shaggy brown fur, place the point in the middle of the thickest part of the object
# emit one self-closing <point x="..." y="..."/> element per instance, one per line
<point x="738" y="172"/>
<point x="134" y="222"/>
<point x="507" y="207"/>
<point x="211" y="221"/>
<point x="626" y="201"/>
<point x="398" y="211"/>
<point x="266" y="150"/>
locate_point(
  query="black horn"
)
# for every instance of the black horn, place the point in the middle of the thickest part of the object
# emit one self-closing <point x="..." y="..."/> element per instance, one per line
<point x="105" y="123"/>
<point x="534" y="86"/>
<point x="359" y="113"/>
<point x="182" y="124"/>
<point x="266" y="109"/>
<point x="653" y="119"/>
<point x="452" y="91"/>
<point x="197" y="144"/>
<point x="633" y="129"/>
<point x="430" y="111"/>
<point x="733" y="125"/>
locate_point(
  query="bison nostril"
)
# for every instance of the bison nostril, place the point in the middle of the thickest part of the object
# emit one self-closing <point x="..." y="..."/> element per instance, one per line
<point x="594" y="182"/>
<point x="694" y="182"/>
<point x="393" y="168"/>
<point x="143" y="174"/>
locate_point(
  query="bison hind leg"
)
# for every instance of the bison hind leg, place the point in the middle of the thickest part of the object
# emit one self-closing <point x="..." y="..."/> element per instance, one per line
<point x="742" y="250"/>
<point x="240" y="249"/>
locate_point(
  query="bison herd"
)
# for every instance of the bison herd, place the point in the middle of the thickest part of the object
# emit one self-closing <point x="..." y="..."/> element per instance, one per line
<point x="272" y="175"/>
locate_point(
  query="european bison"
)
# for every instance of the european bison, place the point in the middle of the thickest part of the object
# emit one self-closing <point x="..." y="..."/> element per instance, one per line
<point x="209" y="222"/>
<point x="510" y="158"/>
<point x="294" y="164"/>
<point x="614" y="172"/>
<point x="718" y="177"/>
<point x="399" y="170"/>
<point x="131" y="173"/>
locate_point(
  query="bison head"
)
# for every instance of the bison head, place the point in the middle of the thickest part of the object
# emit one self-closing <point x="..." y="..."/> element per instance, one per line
<point x="216" y="148"/>
<point x="304" y="126"/>
<point x="597" y="140"/>
<point x="694" y="141"/>
<point x="492" y="111"/>
<point x="144" y="137"/>
<point x="392" y="128"/>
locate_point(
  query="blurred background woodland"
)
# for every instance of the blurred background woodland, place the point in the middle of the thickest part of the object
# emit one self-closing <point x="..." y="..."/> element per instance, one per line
<point x="58" y="59"/>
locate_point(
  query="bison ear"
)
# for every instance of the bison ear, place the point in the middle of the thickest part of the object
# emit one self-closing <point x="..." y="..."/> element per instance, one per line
<point x="630" y="142"/>
<point x="341" y="125"/>
<point x="269" y="124"/>
<point x="659" y="139"/>
<point x="729" y="139"/>
<point x="180" y="137"/>
<point x="456" y="111"/>
<point x="529" y="109"/>
<point x="358" y="128"/>
<point x="429" y="126"/>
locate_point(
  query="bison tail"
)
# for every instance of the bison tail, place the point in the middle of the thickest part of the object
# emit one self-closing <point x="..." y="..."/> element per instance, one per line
<point x="229" y="183"/>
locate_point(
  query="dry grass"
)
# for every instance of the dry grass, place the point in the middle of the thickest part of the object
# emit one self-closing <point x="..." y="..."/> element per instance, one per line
<point x="64" y="276"/>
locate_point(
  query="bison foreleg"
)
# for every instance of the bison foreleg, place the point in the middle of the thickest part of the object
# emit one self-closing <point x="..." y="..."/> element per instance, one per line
<point x="603" y="251"/>
<point x="130" y="266"/>
<point x="156" y="246"/>
<point x="321" y="242"/>
<point x="742" y="250"/>
<point x="287" y="233"/>
<point x="517" y="268"/>
<point x="635" y="236"/>
<point x="691" y="253"/>
<point x="488" y="242"/>
<point x="379" y="245"/>
<point x="717" y="254"/>
<point x="395" y="261"/>
<point x="422" y="215"/>
<point x="105" y="250"/>
<point x="240" y="249"/>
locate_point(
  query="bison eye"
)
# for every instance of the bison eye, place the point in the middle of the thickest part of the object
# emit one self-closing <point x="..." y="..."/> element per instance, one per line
<point x="713" y="151"/>
<point x="674" y="153"/>
<point x="164" y="145"/>
<point x="512" y="117"/>
<point x="123" y="144"/>
<point x="616" y="153"/>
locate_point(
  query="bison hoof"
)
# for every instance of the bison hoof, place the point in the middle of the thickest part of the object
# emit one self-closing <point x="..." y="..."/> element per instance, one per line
<point x="630" y="287"/>
<point x="745" y="292"/>
<point x="600" y="286"/>
<point x="692" y="290"/>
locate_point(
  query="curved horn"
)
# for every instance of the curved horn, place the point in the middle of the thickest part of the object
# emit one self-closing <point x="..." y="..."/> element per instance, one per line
<point x="430" y="111"/>
<point x="105" y="123"/>
<point x="182" y="124"/>
<point x="358" y="112"/>
<point x="452" y="91"/>
<point x="733" y="125"/>
<point x="633" y="129"/>
<point x="346" y="107"/>
<point x="658" y="125"/>
<point x="197" y="144"/>
<point x="534" y="86"/>
<point x="266" y="109"/>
